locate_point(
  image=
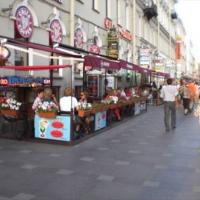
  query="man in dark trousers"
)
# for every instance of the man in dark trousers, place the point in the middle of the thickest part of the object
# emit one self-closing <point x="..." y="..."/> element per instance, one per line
<point x="169" y="93"/>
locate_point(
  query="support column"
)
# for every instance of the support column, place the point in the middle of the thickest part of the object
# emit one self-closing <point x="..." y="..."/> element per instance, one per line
<point x="134" y="31"/>
<point x="72" y="14"/>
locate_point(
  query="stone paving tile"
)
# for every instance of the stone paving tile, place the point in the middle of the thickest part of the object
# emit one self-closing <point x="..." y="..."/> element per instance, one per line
<point x="25" y="151"/>
<point x="154" y="184"/>
<point x="196" y="189"/>
<point x="160" y="167"/>
<point x="104" y="177"/>
<point x="87" y="159"/>
<point x="55" y="155"/>
<point x="125" y="163"/>
<point x="134" y="151"/>
<point x="167" y="155"/>
<point x="114" y="141"/>
<point x="1" y="161"/>
<point x="4" y="198"/>
<point x="28" y="166"/>
<point x="65" y="172"/>
<point x="103" y="148"/>
<point x="23" y="196"/>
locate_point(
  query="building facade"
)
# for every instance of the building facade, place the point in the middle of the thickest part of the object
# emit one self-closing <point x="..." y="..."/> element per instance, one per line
<point x="145" y="29"/>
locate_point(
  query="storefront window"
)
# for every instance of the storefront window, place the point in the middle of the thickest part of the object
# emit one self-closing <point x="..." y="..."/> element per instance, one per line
<point x="128" y="17"/>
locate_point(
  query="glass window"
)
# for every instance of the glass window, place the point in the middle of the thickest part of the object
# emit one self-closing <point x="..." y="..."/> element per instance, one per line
<point x="108" y="8"/>
<point x="96" y="5"/>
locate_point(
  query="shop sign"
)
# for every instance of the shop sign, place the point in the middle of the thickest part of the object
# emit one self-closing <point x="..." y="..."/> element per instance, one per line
<point x="126" y="35"/>
<point x="100" y="120"/>
<point x="108" y="23"/>
<point x="105" y="64"/>
<point x="56" y="33"/>
<point x="94" y="49"/>
<point x="53" y="129"/>
<point x="24" y="22"/>
<point x="145" y="58"/>
<point x="4" y="53"/>
<point x="23" y="81"/>
<point x="113" y="43"/>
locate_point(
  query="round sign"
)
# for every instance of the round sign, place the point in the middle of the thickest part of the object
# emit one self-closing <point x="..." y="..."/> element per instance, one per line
<point x="78" y="38"/>
<point x="4" y="53"/>
<point x="24" y="22"/>
<point x="56" y="33"/>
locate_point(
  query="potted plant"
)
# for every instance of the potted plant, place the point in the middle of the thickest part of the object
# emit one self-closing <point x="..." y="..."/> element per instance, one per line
<point x="84" y="109"/>
<point x="10" y="107"/>
<point x="47" y="109"/>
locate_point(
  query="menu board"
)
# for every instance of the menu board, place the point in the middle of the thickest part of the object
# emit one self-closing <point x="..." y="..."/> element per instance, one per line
<point x="93" y="85"/>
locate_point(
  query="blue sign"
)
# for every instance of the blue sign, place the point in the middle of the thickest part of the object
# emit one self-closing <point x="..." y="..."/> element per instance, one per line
<point x="20" y="80"/>
<point x="100" y="120"/>
<point x="53" y="129"/>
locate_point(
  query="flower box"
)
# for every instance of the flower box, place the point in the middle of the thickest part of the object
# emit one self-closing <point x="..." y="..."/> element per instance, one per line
<point x="10" y="113"/>
<point x="49" y="115"/>
<point x="84" y="113"/>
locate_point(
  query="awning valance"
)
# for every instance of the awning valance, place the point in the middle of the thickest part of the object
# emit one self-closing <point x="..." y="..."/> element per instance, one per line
<point x="100" y="62"/>
<point x="35" y="68"/>
<point x="129" y="66"/>
<point x="162" y="74"/>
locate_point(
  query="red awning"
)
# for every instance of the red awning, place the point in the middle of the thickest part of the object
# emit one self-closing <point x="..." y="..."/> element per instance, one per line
<point x="36" y="67"/>
<point x="100" y="62"/>
<point x="166" y="75"/>
<point x="129" y="66"/>
<point x="145" y="71"/>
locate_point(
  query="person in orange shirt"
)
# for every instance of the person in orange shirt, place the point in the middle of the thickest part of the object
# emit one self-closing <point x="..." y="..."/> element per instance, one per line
<point x="193" y="91"/>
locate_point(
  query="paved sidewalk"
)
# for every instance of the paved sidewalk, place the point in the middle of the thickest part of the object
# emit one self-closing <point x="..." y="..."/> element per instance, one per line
<point x="134" y="161"/>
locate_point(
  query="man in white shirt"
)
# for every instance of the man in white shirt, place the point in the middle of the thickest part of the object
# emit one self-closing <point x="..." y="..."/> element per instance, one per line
<point x="169" y="93"/>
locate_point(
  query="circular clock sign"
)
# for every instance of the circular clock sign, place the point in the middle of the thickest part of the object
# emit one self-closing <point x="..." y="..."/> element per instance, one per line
<point x="24" y="22"/>
<point x="56" y="33"/>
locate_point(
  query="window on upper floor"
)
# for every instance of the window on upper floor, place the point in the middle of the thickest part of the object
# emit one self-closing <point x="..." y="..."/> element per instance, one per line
<point x="108" y="8"/>
<point x="119" y="12"/>
<point x="96" y="5"/>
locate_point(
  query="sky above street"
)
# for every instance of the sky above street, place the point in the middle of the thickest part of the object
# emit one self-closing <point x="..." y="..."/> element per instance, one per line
<point x="189" y="12"/>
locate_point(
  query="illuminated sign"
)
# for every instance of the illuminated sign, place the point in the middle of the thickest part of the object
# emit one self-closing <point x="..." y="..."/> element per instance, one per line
<point x="126" y="35"/>
<point x="24" y="22"/>
<point x="23" y="81"/>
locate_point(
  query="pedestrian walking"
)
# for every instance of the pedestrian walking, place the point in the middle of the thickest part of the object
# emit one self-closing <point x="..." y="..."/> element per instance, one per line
<point x="169" y="93"/>
<point x="185" y="95"/>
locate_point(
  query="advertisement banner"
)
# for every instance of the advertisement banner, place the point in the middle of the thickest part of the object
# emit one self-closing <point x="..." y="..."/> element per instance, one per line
<point x="113" y="43"/>
<point x="100" y="120"/>
<point x="53" y="129"/>
<point x="137" y="108"/>
<point x="145" y="57"/>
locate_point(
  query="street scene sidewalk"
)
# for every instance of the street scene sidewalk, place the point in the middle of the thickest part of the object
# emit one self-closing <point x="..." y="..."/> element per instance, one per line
<point x="136" y="160"/>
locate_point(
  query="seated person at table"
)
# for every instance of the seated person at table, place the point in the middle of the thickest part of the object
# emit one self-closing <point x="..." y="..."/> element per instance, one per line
<point x="68" y="102"/>
<point x="83" y="97"/>
<point x="128" y="92"/>
<point x="38" y="100"/>
<point x="86" y="120"/>
<point x="50" y="97"/>
<point x="112" y="96"/>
